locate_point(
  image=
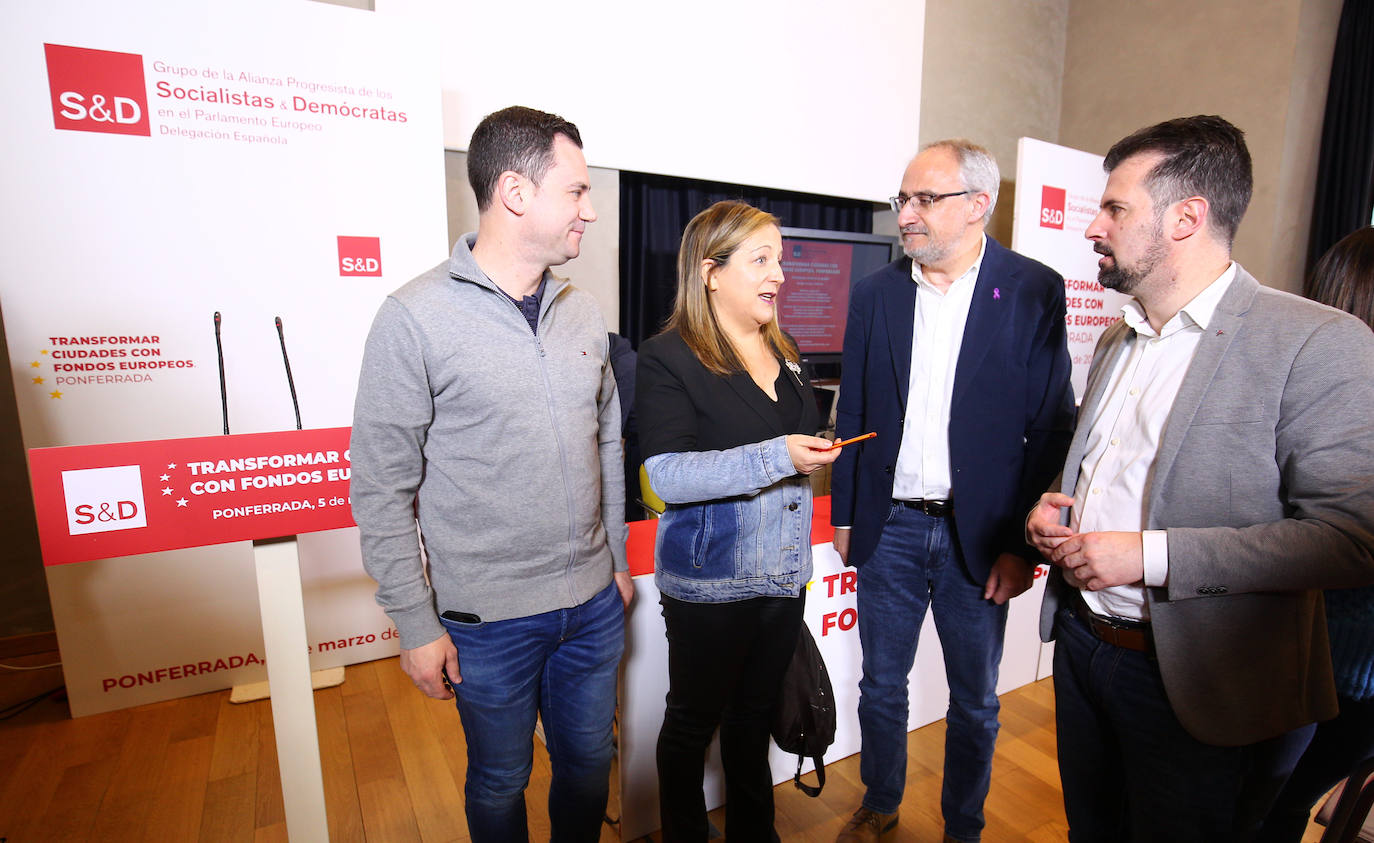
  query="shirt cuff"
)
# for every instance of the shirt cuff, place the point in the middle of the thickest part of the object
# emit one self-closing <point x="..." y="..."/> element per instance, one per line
<point x="840" y="527"/>
<point x="1154" y="545"/>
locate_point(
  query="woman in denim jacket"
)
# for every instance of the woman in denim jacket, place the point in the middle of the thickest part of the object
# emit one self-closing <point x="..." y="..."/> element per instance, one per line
<point x="725" y="422"/>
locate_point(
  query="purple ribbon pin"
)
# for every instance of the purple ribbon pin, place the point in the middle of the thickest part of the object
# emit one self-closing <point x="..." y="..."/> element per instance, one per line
<point x="997" y="292"/>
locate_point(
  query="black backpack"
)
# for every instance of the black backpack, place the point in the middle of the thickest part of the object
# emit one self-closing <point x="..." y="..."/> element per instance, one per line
<point x="804" y="721"/>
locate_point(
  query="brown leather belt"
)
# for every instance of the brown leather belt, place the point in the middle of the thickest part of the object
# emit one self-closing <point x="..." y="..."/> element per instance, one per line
<point x="1130" y="635"/>
<point x="935" y="509"/>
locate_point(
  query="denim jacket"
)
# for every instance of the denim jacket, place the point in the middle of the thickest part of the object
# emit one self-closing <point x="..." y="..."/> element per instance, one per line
<point x="738" y="523"/>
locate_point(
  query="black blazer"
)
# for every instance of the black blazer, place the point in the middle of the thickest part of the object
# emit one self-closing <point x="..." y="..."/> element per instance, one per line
<point x="683" y="406"/>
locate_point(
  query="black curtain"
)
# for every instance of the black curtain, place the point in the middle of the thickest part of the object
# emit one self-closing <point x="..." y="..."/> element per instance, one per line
<point x="1345" y="174"/>
<point x="655" y="209"/>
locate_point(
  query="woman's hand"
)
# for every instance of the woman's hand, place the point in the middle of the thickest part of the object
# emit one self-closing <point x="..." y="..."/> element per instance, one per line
<point x="809" y="453"/>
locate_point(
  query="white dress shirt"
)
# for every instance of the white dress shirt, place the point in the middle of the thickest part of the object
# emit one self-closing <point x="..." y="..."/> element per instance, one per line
<point x="922" y="469"/>
<point x="1113" y="480"/>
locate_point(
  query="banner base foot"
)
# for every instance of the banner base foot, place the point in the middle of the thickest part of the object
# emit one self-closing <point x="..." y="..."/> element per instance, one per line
<point x="327" y="678"/>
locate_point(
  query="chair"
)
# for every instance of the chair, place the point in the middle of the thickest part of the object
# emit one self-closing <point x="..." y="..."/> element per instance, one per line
<point x="1346" y="810"/>
<point x="647" y="496"/>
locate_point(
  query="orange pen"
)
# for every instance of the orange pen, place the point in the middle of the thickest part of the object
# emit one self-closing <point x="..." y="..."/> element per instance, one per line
<point x="835" y="445"/>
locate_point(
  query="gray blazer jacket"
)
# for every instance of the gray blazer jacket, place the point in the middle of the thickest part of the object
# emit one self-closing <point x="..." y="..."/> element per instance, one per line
<point x="1264" y="480"/>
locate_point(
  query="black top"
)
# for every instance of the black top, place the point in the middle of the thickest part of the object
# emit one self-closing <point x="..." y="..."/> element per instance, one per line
<point x="788" y="405"/>
<point x="683" y="406"/>
<point x="529" y="305"/>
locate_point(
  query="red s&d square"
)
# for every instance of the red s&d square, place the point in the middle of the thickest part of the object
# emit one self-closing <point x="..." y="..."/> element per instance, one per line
<point x="97" y="90"/>
<point x="360" y="256"/>
<point x="1052" y="207"/>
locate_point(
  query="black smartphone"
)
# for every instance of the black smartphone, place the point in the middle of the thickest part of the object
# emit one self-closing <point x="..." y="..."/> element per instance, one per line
<point x="460" y="617"/>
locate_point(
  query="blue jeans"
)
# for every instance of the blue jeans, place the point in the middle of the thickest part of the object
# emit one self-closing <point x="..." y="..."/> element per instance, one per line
<point x="561" y="665"/>
<point x="916" y="566"/>
<point x="1131" y="772"/>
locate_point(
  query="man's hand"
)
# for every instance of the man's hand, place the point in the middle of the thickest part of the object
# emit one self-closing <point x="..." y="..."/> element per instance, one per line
<point x="626" y="587"/>
<point x="1094" y="561"/>
<point x="1043" y="530"/>
<point x="841" y="543"/>
<point x="423" y="665"/>
<point x="1010" y="575"/>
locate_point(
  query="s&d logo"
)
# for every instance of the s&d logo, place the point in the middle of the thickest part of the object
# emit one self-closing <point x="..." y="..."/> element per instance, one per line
<point x="97" y="90"/>
<point x="360" y="256"/>
<point x="1052" y="207"/>
<point x="102" y="499"/>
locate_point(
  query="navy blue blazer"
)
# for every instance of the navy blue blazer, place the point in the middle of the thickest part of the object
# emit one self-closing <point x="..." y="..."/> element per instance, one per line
<point x="1011" y="417"/>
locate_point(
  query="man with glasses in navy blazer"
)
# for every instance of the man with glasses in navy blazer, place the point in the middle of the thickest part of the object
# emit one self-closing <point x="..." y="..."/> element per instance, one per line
<point x="956" y="355"/>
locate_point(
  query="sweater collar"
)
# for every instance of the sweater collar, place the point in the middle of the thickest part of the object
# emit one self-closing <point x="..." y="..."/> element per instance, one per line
<point x="462" y="265"/>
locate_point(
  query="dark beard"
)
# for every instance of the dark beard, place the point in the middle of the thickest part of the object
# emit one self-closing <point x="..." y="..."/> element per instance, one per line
<point x="1125" y="280"/>
<point x="1121" y="280"/>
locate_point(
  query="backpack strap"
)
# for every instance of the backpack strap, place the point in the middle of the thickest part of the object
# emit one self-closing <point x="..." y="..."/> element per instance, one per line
<point x="820" y="776"/>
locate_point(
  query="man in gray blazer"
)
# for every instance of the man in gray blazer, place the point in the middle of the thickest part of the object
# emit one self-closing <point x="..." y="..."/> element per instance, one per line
<point x="1221" y="473"/>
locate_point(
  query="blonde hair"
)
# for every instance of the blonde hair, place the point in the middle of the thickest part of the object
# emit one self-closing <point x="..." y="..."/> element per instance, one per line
<point x="714" y="235"/>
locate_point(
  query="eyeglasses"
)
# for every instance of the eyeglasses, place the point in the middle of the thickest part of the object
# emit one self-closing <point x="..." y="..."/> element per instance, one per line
<point x="923" y="200"/>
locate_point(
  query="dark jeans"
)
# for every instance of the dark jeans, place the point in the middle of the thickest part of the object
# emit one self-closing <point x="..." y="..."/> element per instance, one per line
<point x="1337" y="747"/>
<point x="1131" y="772"/>
<point x="725" y="667"/>
<point x="914" y="568"/>
<point x="561" y="665"/>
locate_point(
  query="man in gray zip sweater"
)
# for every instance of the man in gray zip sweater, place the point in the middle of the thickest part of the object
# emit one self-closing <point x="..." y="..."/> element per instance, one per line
<point x="487" y="410"/>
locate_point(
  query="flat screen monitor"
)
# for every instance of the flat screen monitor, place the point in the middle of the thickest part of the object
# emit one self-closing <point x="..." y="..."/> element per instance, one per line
<point x="820" y="266"/>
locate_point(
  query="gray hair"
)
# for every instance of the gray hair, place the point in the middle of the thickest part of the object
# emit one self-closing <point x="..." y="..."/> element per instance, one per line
<point x="977" y="169"/>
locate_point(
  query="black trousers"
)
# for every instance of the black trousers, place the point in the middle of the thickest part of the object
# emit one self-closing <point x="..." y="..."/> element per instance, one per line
<point x="725" y="667"/>
<point x="1131" y="772"/>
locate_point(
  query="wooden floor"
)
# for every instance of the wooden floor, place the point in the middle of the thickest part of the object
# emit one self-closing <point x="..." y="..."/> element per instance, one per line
<point x="203" y="769"/>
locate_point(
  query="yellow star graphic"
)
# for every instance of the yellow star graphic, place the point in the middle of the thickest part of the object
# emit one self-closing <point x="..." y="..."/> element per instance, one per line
<point x="44" y="351"/>
<point x="37" y="380"/>
<point x="55" y="394"/>
<point x="35" y="364"/>
<point x="809" y="584"/>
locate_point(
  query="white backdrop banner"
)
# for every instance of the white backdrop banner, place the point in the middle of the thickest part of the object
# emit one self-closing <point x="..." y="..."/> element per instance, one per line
<point x="1057" y="193"/>
<point x="172" y="167"/>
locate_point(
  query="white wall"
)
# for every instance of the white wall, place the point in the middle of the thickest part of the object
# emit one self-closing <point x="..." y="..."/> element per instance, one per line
<point x="769" y="92"/>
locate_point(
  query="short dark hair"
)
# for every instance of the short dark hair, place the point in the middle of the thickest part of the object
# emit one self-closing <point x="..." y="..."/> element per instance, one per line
<point x="517" y="139"/>
<point x="1204" y="156"/>
<point x="1344" y="277"/>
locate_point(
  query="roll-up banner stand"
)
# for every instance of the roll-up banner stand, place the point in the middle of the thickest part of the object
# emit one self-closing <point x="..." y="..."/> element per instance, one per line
<point x="1057" y="194"/>
<point x="183" y="180"/>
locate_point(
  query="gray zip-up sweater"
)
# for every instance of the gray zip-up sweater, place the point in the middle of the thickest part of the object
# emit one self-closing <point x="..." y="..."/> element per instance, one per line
<point x="506" y="444"/>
